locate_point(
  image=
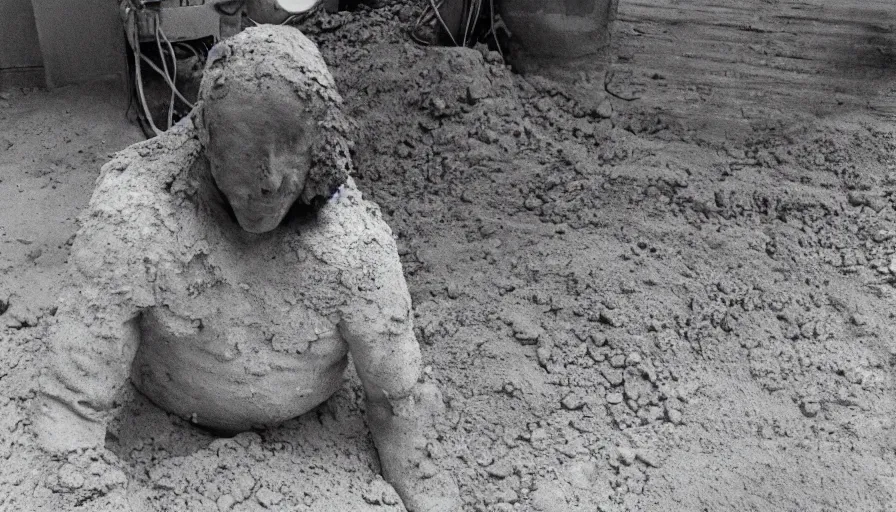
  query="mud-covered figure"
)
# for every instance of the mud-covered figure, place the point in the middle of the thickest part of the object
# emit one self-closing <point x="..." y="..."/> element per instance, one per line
<point x="229" y="267"/>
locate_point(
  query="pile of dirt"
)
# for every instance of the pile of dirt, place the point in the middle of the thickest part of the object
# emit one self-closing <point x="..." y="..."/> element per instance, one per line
<point x="624" y="309"/>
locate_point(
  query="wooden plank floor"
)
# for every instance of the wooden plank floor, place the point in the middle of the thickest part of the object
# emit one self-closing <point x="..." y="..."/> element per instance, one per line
<point x="754" y="58"/>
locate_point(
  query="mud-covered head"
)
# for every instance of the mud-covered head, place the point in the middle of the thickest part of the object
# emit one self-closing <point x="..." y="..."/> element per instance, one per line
<point x="271" y="124"/>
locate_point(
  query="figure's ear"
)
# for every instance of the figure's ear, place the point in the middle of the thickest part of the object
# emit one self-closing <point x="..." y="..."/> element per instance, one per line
<point x="213" y="85"/>
<point x="330" y="165"/>
<point x="199" y="120"/>
<point x="218" y="54"/>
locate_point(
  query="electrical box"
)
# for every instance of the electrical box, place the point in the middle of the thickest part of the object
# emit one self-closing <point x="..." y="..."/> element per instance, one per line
<point x="187" y="20"/>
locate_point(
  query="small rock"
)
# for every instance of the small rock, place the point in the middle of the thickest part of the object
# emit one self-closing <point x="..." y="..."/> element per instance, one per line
<point x="613" y="376"/>
<point x="532" y="203"/>
<point x="379" y="492"/>
<point x="453" y="291"/>
<point x="648" y="457"/>
<point x="882" y="235"/>
<point x="614" y="398"/>
<point x="538" y="436"/>
<point x="548" y="497"/>
<point x="633" y="359"/>
<point x="625" y="455"/>
<point x="428" y="469"/>
<point x="225" y="502"/>
<point x="581" y="474"/>
<point x="484" y="458"/>
<point x="617" y="361"/>
<point x="674" y="416"/>
<point x="488" y="230"/>
<point x="605" y="110"/>
<point x="525" y="330"/>
<point x="70" y="477"/>
<point x="543" y="354"/>
<point x="858" y="319"/>
<point x="572" y="402"/>
<point x="597" y="339"/>
<point x="595" y="354"/>
<point x="810" y="409"/>
<point x="632" y="391"/>
<point x="500" y="469"/>
<point x="611" y="317"/>
<point x="436" y="450"/>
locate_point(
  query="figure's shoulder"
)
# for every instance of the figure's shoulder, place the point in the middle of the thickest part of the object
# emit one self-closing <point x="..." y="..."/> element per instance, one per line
<point x="133" y="209"/>
<point x="362" y="245"/>
<point x="151" y="165"/>
<point x="355" y="226"/>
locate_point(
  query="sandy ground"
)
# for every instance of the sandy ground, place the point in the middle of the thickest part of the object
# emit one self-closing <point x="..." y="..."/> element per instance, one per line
<point x="678" y="296"/>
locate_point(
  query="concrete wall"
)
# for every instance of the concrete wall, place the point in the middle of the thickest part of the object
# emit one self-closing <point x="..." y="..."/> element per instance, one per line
<point x="21" y="63"/>
<point x="81" y="40"/>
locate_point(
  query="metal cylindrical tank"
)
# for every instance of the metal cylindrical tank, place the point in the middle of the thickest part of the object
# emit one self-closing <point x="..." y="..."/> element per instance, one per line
<point x="558" y="33"/>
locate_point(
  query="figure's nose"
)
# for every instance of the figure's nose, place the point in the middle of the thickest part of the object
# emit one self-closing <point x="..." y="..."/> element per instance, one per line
<point x="270" y="183"/>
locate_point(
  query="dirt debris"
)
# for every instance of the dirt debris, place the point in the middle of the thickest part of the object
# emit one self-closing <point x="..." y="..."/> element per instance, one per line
<point x="712" y="314"/>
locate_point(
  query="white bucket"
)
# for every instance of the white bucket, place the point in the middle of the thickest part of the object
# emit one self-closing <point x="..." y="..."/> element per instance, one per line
<point x="296" y="6"/>
<point x="277" y="11"/>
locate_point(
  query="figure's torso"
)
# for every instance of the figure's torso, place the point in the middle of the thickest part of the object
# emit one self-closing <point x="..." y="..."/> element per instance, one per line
<point x="237" y="330"/>
<point x="244" y="330"/>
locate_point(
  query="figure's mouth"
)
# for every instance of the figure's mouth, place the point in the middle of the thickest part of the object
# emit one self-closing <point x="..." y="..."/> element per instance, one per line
<point x="259" y="220"/>
<point x="260" y="212"/>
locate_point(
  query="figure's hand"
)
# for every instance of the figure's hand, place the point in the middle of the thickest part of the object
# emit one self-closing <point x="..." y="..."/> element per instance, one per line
<point x="93" y="479"/>
<point x="399" y="430"/>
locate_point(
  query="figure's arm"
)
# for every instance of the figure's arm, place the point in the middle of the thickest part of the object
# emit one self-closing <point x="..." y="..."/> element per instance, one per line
<point x="377" y="324"/>
<point x="91" y="346"/>
<point x="112" y="264"/>
<point x="378" y="327"/>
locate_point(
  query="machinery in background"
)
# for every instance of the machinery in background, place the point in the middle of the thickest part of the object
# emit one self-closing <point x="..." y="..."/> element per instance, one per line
<point x="170" y="39"/>
<point x="560" y="35"/>
<point x="185" y="20"/>
<point x="555" y="37"/>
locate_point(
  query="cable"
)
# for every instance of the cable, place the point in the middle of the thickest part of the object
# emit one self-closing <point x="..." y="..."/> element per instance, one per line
<point x="137" y="57"/>
<point x="155" y="68"/>
<point x="190" y="47"/>
<point x="470" y="20"/>
<point x="425" y="18"/>
<point x="165" y="68"/>
<point x="173" y="74"/>
<point x="435" y="8"/>
<point x="491" y="9"/>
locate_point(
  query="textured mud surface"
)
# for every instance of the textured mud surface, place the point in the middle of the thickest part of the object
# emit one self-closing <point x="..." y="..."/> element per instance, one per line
<point x="680" y="300"/>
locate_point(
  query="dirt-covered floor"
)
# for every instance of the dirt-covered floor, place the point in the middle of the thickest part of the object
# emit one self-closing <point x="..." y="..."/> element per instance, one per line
<point x="678" y="295"/>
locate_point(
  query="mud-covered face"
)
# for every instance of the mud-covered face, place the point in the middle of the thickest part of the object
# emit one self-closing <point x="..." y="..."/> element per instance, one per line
<point x="259" y="154"/>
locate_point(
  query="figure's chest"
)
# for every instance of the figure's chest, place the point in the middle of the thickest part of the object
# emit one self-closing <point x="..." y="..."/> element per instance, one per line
<point x="233" y="296"/>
